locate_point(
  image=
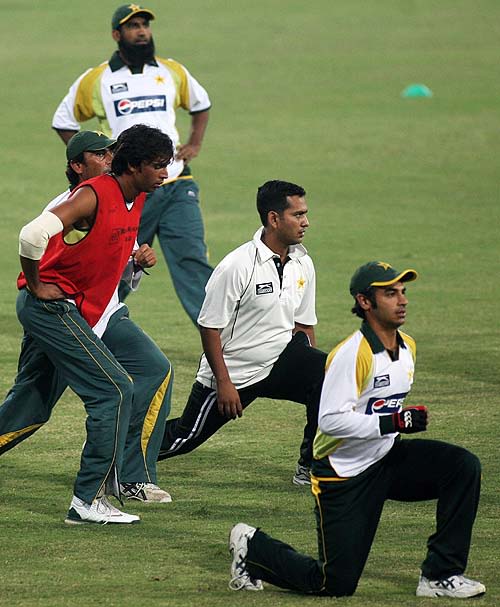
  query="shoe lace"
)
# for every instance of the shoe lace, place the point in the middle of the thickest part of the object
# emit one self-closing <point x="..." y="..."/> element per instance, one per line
<point x="242" y="577"/>
<point x="108" y="507"/>
<point x="132" y="488"/>
<point x="244" y="580"/>
<point x="239" y="581"/>
<point x="453" y="582"/>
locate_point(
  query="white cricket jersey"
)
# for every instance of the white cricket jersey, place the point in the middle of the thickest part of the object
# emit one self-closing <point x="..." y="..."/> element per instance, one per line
<point x="120" y="99"/>
<point x="361" y="383"/>
<point x="254" y="312"/>
<point x="129" y="275"/>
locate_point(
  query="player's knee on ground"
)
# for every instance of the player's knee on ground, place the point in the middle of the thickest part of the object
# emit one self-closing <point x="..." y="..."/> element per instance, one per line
<point x="341" y="585"/>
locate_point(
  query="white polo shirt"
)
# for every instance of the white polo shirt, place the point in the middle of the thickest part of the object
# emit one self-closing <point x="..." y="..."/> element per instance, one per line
<point x="254" y="312"/>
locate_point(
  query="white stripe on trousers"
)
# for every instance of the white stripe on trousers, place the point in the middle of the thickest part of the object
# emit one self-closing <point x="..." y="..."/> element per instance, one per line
<point x="206" y="407"/>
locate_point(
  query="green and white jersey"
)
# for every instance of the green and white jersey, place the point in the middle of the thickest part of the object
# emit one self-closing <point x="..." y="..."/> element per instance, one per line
<point x="120" y="99"/>
<point x="362" y="381"/>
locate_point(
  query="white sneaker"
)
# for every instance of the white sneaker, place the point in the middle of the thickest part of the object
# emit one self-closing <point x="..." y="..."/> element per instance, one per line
<point x="145" y="492"/>
<point x="456" y="586"/>
<point x="99" y="511"/>
<point x="238" y="547"/>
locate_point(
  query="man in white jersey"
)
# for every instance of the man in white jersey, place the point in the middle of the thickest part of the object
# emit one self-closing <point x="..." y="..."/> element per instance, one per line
<point x="137" y="87"/>
<point x="360" y="461"/>
<point x="39" y="384"/>
<point x="257" y="330"/>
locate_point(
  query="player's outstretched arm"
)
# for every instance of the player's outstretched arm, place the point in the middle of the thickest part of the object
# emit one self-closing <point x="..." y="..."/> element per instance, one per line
<point x="228" y="399"/>
<point x="192" y="148"/>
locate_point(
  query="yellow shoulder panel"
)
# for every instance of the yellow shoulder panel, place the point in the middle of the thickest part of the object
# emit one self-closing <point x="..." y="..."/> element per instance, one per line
<point x="364" y="365"/>
<point x="334" y="351"/>
<point x="410" y="342"/>
<point x="84" y="102"/>
<point x="181" y="82"/>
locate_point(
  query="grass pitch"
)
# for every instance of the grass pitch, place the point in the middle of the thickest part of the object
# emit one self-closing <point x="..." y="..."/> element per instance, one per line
<point x="308" y="92"/>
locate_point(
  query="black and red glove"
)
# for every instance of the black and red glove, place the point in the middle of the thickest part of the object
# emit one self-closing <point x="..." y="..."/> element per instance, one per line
<point x="407" y="421"/>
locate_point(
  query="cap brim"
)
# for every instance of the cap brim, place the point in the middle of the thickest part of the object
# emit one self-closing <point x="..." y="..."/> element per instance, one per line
<point x="142" y="11"/>
<point x="99" y="146"/>
<point x="406" y="276"/>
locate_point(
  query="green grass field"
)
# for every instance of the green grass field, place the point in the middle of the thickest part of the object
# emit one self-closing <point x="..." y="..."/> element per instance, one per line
<point x="308" y="92"/>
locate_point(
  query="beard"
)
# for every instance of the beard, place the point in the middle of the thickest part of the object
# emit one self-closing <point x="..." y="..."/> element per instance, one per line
<point x="137" y="54"/>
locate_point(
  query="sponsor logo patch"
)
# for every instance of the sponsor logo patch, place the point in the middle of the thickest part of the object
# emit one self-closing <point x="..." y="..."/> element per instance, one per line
<point x="388" y="404"/>
<point x="263" y="288"/>
<point x="382" y="381"/>
<point x="120" y="87"/>
<point x="137" y="105"/>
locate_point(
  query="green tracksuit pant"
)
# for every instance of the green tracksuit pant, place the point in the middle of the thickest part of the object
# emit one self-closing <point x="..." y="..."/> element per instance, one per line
<point x="348" y="512"/>
<point x="172" y="213"/>
<point x="123" y="379"/>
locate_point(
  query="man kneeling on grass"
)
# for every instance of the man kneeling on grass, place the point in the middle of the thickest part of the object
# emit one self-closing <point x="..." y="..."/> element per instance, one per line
<point x="360" y="461"/>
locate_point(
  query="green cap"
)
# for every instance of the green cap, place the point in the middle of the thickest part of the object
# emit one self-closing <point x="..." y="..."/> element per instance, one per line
<point x="127" y="11"/>
<point x="378" y="274"/>
<point x="87" y="141"/>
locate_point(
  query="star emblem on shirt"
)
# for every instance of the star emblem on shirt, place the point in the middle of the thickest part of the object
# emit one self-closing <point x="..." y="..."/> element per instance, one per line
<point x="160" y="80"/>
<point x="300" y="283"/>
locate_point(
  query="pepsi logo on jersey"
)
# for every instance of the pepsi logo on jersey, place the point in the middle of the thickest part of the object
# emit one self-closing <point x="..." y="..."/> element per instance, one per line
<point x="387" y="404"/>
<point x="136" y="105"/>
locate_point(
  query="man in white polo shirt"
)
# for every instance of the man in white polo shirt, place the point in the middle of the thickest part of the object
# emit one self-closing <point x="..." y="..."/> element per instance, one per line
<point x="257" y="330"/>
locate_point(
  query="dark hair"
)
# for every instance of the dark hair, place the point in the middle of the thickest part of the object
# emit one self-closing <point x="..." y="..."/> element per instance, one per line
<point x="72" y="176"/>
<point x="138" y="144"/>
<point x="272" y="196"/>
<point x="370" y="295"/>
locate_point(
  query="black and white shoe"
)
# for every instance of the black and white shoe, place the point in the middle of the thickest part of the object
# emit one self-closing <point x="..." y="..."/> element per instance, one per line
<point x="302" y="475"/>
<point x="100" y="511"/>
<point x="145" y="492"/>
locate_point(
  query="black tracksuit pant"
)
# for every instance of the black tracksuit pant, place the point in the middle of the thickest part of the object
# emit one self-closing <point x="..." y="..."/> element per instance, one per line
<point x="348" y="512"/>
<point x="297" y="375"/>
